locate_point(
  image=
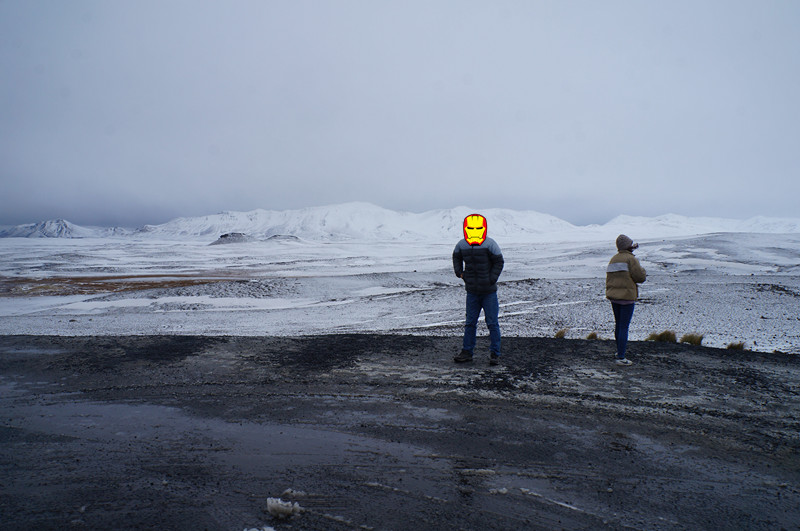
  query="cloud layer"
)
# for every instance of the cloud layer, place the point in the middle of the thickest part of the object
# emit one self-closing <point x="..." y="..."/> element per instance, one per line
<point x="126" y="113"/>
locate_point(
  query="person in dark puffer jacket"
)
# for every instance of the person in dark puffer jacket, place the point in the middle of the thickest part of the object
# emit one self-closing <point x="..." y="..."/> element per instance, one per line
<point x="478" y="261"/>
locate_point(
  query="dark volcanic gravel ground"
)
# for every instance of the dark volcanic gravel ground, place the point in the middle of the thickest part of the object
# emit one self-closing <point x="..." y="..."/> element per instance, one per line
<point x="385" y="432"/>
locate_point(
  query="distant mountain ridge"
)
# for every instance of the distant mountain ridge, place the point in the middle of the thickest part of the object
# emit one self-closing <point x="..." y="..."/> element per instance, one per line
<point x="60" y="228"/>
<point x="365" y="221"/>
<point x="362" y="221"/>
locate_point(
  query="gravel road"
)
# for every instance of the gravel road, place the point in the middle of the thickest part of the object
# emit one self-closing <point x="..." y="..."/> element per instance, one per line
<point x="379" y="431"/>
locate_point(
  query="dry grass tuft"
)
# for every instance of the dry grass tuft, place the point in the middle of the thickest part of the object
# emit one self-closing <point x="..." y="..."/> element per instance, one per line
<point x="736" y="346"/>
<point x="561" y="334"/>
<point x="692" y="339"/>
<point x="667" y="336"/>
<point x="592" y="335"/>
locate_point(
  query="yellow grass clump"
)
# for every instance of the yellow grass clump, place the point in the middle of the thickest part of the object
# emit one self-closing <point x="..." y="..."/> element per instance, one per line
<point x="592" y="335"/>
<point x="667" y="336"/>
<point x="692" y="339"/>
<point x="736" y="346"/>
<point x="561" y="334"/>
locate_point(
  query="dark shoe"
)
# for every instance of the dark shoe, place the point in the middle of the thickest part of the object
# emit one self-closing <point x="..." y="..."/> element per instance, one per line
<point x="494" y="359"/>
<point x="465" y="355"/>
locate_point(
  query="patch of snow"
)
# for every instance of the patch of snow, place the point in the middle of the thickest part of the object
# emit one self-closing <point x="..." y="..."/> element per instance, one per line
<point x="282" y="509"/>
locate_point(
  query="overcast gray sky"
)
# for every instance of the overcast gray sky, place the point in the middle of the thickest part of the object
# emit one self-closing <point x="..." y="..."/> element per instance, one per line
<point x="133" y="112"/>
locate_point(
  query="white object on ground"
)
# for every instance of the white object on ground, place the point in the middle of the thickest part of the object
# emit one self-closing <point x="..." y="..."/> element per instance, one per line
<point x="282" y="509"/>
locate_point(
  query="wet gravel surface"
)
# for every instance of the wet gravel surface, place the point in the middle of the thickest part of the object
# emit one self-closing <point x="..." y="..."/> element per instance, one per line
<point x="377" y="431"/>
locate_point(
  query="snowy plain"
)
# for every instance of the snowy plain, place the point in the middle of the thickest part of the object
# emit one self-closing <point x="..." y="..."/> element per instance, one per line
<point x="359" y="268"/>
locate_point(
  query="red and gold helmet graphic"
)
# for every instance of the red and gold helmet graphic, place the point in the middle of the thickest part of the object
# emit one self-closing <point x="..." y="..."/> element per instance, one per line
<point x="475" y="229"/>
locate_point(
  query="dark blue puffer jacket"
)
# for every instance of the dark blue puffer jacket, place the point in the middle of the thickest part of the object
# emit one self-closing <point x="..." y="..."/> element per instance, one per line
<point x="479" y="265"/>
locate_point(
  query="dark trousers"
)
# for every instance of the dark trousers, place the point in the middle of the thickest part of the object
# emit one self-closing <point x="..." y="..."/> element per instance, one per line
<point x="622" y="319"/>
<point x="488" y="303"/>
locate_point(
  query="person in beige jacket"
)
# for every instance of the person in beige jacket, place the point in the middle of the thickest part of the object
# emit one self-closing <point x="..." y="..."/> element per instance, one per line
<point x="623" y="276"/>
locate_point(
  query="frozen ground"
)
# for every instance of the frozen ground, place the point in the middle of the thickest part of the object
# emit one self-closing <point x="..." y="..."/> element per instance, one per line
<point x="730" y="287"/>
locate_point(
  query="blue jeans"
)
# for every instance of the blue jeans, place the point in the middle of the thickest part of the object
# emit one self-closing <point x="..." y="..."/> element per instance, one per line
<point x="491" y="308"/>
<point x="622" y="319"/>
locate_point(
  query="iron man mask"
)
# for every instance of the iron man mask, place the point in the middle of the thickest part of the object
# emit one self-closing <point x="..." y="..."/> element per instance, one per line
<point x="475" y="229"/>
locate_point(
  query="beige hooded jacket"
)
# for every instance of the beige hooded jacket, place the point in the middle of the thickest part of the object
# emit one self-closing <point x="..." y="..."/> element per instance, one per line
<point x="623" y="274"/>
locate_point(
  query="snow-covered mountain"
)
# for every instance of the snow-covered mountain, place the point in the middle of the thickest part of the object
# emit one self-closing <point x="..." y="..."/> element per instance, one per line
<point x="364" y="221"/>
<point x="55" y="228"/>
<point x="60" y="228"/>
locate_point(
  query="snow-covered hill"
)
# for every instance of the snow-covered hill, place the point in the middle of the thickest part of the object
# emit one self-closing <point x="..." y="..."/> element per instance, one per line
<point x="60" y="228"/>
<point x="364" y="221"/>
<point x="360" y="221"/>
<point x="675" y="225"/>
<point x="56" y="228"/>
